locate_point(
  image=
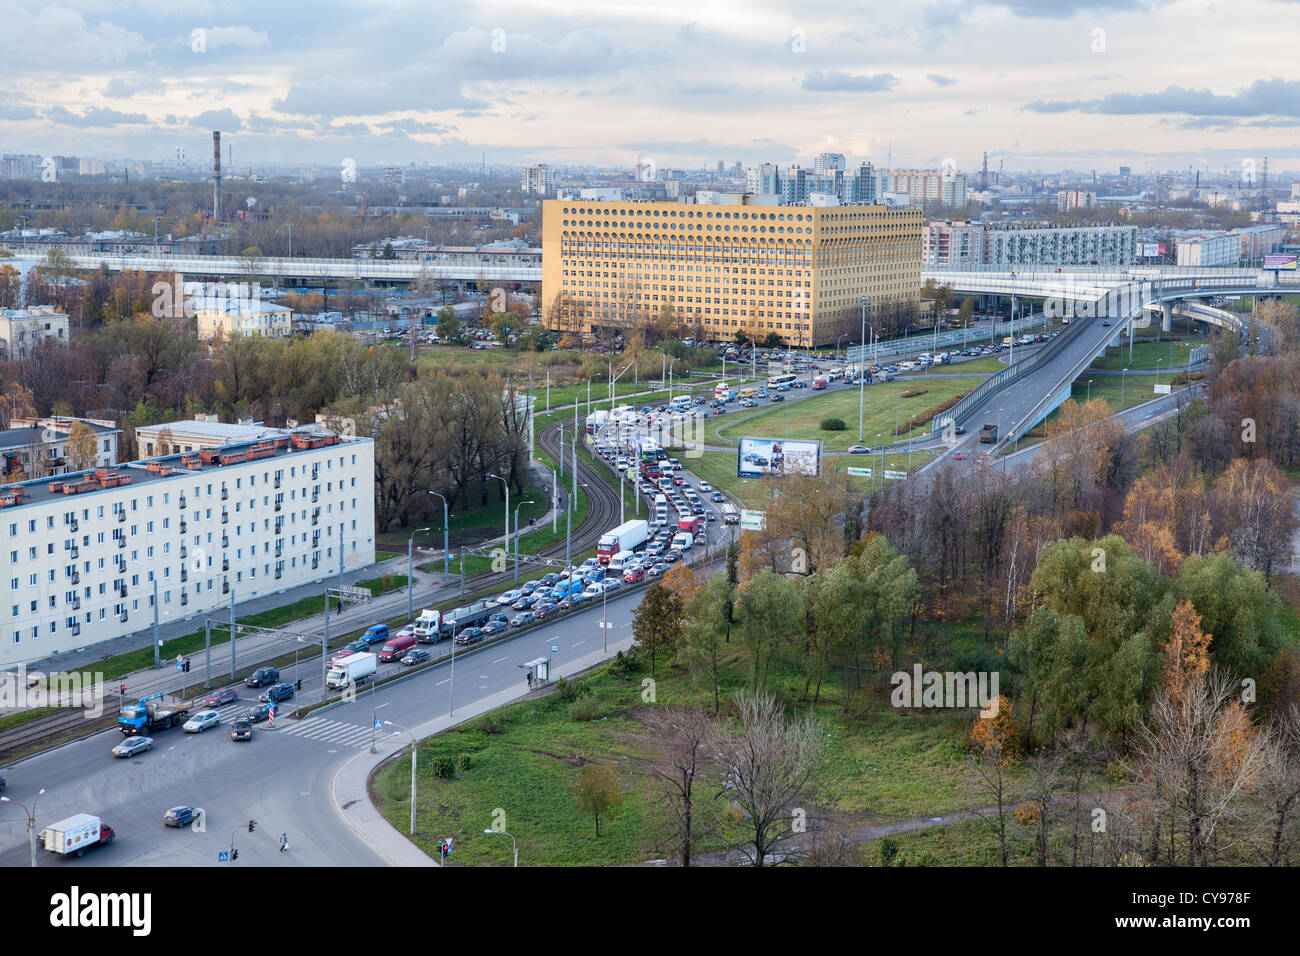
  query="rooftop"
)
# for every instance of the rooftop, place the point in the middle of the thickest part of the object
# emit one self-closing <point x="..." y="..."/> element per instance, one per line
<point x="233" y="433"/>
<point x="151" y="471"/>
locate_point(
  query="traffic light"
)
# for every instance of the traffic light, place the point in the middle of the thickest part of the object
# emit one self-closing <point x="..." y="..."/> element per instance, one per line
<point x="234" y="855"/>
<point x="123" y="690"/>
<point x="187" y="665"/>
<point x="252" y="825"/>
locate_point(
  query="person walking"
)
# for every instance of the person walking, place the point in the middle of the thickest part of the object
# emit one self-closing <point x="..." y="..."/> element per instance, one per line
<point x="284" y="842"/>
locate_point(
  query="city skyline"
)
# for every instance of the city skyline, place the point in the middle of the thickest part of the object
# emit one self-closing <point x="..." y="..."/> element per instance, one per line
<point x="682" y="84"/>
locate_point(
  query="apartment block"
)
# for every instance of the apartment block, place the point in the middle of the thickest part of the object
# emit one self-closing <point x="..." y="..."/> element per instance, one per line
<point x="798" y="271"/>
<point x="21" y="330"/>
<point x="40" y="447"/>
<point x="236" y="318"/>
<point x="82" y="556"/>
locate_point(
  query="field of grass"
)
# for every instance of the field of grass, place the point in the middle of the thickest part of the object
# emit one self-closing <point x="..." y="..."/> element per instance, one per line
<point x="488" y="519"/>
<point x="1147" y="354"/>
<point x="1119" y="391"/>
<point x="884" y="405"/>
<point x="718" y="468"/>
<point x="880" y="763"/>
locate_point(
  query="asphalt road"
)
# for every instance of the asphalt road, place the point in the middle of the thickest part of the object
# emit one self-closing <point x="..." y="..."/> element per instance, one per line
<point x="281" y="778"/>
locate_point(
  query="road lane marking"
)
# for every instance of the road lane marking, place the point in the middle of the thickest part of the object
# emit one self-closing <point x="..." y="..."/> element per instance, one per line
<point x="441" y="682"/>
<point x="499" y="660"/>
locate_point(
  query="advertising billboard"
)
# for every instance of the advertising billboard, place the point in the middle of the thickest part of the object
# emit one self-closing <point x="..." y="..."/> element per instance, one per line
<point x="760" y="457"/>
<point x="1280" y="262"/>
<point x="1148" y="250"/>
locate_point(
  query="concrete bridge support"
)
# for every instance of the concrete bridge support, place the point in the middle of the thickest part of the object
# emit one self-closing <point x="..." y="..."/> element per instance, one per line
<point x="1166" y="316"/>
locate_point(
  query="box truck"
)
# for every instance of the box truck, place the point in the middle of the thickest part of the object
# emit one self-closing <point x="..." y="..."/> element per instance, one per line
<point x="629" y="536"/>
<point x="75" y="835"/>
<point x="352" y="669"/>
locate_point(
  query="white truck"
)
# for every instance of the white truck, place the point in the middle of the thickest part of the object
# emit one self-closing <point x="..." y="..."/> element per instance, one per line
<point x="629" y="536"/>
<point x="75" y="835"/>
<point x="683" y="541"/>
<point x="427" y="624"/>
<point x="351" y="670"/>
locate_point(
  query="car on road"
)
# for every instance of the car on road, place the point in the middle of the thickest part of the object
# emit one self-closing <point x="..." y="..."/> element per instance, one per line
<point x="415" y="656"/>
<point x="859" y="450"/>
<point x="657" y="570"/>
<point x="705" y="486"/>
<point x="224" y="696"/>
<point x="527" y="617"/>
<point x="889" y="378"/>
<point x="201" y="722"/>
<point x="672" y="556"/>
<point x="611" y="584"/>
<point x="241" y="729"/>
<point x="656" y="549"/>
<point x="550" y="578"/>
<point x="471" y="635"/>
<point x="528" y="587"/>
<point x="544" y="610"/>
<point x="710" y="515"/>
<point x="1105" y="322"/>
<point x="277" y="693"/>
<point x="510" y="597"/>
<point x="179" y="816"/>
<point x="635" y="576"/>
<point x="259" y="713"/>
<point x="501" y="617"/>
<point x="959" y="430"/>
<point x="377" y="633"/>
<point x="717" y="496"/>
<point x="524" y="603"/>
<point x="132" y="746"/>
<point x="495" y="627"/>
<point x="777" y="398"/>
<point x="262" y="677"/>
<point x="697" y="508"/>
<point x="407" y="631"/>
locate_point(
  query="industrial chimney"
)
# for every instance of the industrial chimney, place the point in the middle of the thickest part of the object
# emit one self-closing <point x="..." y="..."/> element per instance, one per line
<point x="216" y="175"/>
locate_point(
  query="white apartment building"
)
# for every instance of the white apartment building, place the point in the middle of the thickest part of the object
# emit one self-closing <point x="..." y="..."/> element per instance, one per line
<point x="38" y="447"/>
<point x="21" y="330"/>
<point x="1207" y="249"/>
<point x="1075" y="246"/>
<point x="929" y="185"/>
<point x="80" y="555"/>
<point x="954" y="245"/>
<point x="538" y="179"/>
<point x="205" y="431"/>
<point x="1067" y="199"/>
<point x="241" y="317"/>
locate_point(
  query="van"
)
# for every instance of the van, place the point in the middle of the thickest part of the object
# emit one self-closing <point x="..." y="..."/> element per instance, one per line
<point x="375" y="633"/>
<point x="619" y="561"/>
<point x="683" y="541"/>
<point x="394" y="649"/>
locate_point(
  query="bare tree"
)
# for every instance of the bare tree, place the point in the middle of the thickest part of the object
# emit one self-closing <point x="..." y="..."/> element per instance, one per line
<point x="766" y="766"/>
<point x="1279" y="784"/>
<point x="683" y="740"/>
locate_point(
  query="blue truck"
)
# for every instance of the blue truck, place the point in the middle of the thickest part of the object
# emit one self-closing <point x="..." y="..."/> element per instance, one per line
<point x="152" y="713"/>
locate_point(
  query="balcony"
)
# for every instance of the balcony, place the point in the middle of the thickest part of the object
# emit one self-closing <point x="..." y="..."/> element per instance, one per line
<point x="224" y="494"/>
<point x="73" y="524"/>
<point x="279" y="525"/>
<point x="183" y="527"/>
<point x="315" y="564"/>
<point x="225" y="540"/>
<point x="225" y="518"/>
<point x="73" y="552"/>
<point x="123" y="618"/>
<point x="278" y="505"/>
<point x="121" y="592"/>
<point x="121" y="516"/>
<point x="277" y="574"/>
<point x="121" y="542"/>
<point x="225" y="564"/>
<point x="225" y="587"/>
<point x="185" y="598"/>
<point x="76" y="578"/>
<point x="182" y="502"/>
<point x="76" y="629"/>
<point x="76" y="604"/>
<point x="315" y="497"/>
<point x="185" y="575"/>
<point x="184" y="552"/>
<point x="277" y="481"/>
<point x="279" y="550"/>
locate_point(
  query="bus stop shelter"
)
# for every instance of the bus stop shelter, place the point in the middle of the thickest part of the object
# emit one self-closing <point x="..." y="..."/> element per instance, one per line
<point x="539" y="671"/>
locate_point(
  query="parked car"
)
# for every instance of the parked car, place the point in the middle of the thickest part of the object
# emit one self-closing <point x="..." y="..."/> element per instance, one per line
<point x="132" y="746"/>
<point x="414" y="656"/>
<point x="262" y="677"/>
<point x="179" y="816"/>
<point x="241" y="729"/>
<point x="201" y="722"/>
<point x="224" y="696"/>
<point x="277" y="693"/>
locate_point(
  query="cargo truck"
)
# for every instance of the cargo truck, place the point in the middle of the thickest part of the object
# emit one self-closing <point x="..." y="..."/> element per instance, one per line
<point x="152" y="713"/>
<point x="433" y="625"/>
<point x="629" y="536"/>
<point x="690" y="524"/>
<point x="988" y="434"/>
<point x="75" y="835"/>
<point x="352" y="669"/>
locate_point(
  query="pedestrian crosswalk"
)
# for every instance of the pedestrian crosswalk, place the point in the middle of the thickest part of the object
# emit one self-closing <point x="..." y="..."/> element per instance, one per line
<point x="328" y="731"/>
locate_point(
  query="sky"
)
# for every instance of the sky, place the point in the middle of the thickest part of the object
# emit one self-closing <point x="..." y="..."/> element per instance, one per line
<point x="1039" y="84"/>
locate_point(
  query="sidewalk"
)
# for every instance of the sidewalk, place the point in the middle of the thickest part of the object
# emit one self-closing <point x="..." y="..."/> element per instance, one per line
<point x="350" y="793"/>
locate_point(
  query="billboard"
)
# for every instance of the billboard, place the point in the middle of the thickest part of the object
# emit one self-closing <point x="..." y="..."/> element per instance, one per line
<point x="1280" y="262"/>
<point x="760" y="457"/>
<point x="1148" y="250"/>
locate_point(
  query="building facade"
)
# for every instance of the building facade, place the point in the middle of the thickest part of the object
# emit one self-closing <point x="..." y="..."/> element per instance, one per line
<point x="1069" y="199"/>
<point x="797" y="271"/>
<point x="930" y="185"/>
<point x="80" y="555"/>
<point x="237" y="318"/>
<point x="40" y="447"/>
<point x="539" y="180"/>
<point x="21" y="330"/>
<point x="952" y="245"/>
<point x="1066" y="246"/>
<point x="175" y="438"/>
<point x="1207" y="249"/>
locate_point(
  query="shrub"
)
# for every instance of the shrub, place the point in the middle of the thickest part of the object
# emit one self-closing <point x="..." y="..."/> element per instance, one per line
<point x="464" y="761"/>
<point x="620" y="668"/>
<point x="832" y="425"/>
<point x="443" y="767"/>
<point x="490" y="724"/>
<point x="572" y="690"/>
<point x="584" y="709"/>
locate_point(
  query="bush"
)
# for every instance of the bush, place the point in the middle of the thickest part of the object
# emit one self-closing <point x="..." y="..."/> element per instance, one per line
<point x="443" y="767"/>
<point x="572" y="690"/>
<point x="584" y="709"/>
<point x="490" y="724"/>
<point x="620" y="668"/>
<point x="464" y="761"/>
<point x="832" y="425"/>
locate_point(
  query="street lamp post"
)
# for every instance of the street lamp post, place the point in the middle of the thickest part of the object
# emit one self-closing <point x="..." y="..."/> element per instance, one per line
<point x="1089" y="398"/>
<point x="410" y="574"/>
<point x="507" y="484"/>
<point x="446" y="536"/>
<point x="862" y="394"/>
<point x="413" y="757"/>
<point x="31" y="821"/>
<point x="513" y="844"/>
<point x="517" y="507"/>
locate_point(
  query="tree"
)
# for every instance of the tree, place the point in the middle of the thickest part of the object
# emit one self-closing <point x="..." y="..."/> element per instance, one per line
<point x="1279" y="783"/>
<point x="996" y="746"/>
<point x="683" y="739"/>
<point x="448" y="324"/>
<point x="770" y="611"/>
<point x="1255" y="512"/>
<point x="708" y="612"/>
<point x="1187" y="655"/>
<point x="766" y="766"/>
<point x="597" y="791"/>
<point x="83" y="447"/>
<point x="11" y="287"/>
<point x="15" y="402"/>
<point x="657" y="621"/>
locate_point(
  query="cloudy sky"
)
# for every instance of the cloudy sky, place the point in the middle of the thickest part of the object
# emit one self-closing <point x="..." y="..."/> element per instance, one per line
<point x="1040" y="84"/>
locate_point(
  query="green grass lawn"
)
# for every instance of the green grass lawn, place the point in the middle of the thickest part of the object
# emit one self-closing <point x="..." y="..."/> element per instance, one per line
<point x="489" y="519"/>
<point x="1147" y="354"/>
<point x="884" y="405"/>
<point x="718" y="468"/>
<point x="880" y="764"/>
<point x="1119" y="391"/>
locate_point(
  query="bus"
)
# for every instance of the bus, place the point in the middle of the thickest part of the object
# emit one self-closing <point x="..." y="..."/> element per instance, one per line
<point x="776" y="380"/>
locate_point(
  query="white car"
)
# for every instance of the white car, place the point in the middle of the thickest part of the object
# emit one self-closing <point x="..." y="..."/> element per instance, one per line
<point x="610" y="584"/>
<point x="705" y="486"/>
<point x="510" y="597"/>
<point x="201" y="721"/>
<point x="132" y="746"/>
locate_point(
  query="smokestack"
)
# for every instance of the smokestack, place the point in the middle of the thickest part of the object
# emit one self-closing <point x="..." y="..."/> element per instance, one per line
<point x="216" y="175"/>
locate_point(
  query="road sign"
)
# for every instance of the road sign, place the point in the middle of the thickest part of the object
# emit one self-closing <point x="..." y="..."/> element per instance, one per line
<point x="223" y="857"/>
<point x="895" y="475"/>
<point x="355" y="595"/>
<point x="751" y="520"/>
<point x="1163" y="389"/>
<point x="379" y="725"/>
<point x="606" y="623"/>
<point x="555" y="648"/>
<point x="860" y="472"/>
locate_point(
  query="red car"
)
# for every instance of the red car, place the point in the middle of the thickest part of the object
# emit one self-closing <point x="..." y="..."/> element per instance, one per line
<point x="225" y="696"/>
<point x="634" y="577"/>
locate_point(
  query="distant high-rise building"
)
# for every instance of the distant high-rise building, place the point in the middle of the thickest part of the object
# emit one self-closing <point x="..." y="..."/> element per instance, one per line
<point x="539" y="180"/>
<point x="1125" y="172"/>
<point x="1164" y="186"/>
<point x="762" y="180"/>
<point x="930" y="185"/>
<point x="1067" y="199"/>
<point x="722" y="169"/>
<point x="392" y="176"/>
<point x="827" y="163"/>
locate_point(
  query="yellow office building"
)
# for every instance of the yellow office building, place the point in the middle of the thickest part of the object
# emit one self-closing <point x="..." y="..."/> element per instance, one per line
<point x="798" y="271"/>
